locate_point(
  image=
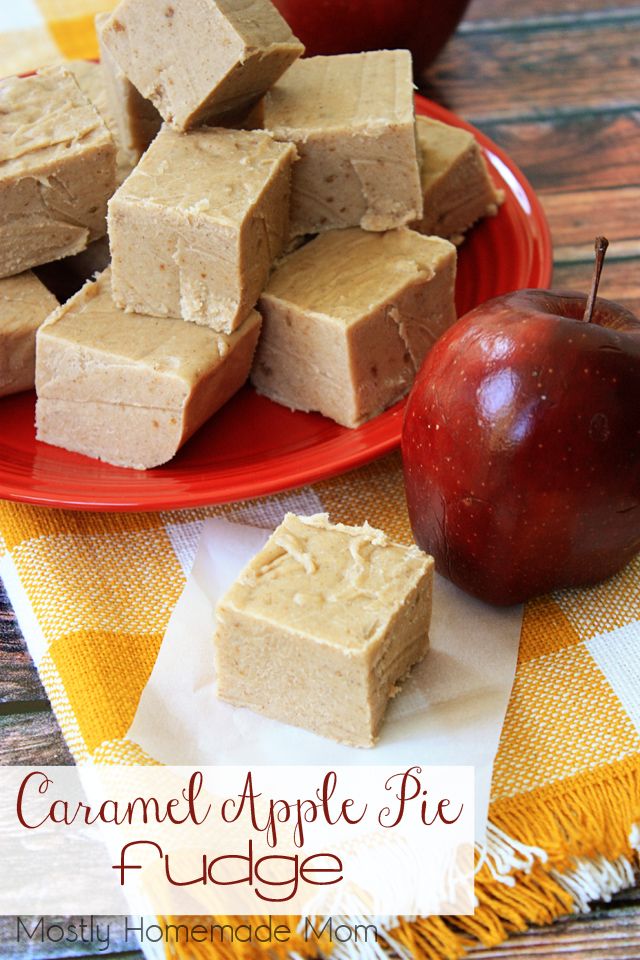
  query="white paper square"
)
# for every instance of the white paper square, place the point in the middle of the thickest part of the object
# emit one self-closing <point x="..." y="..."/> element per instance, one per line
<point x="450" y="710"/>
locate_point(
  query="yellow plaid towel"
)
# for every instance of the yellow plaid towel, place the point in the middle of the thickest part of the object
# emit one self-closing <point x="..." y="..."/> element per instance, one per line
<point x="35" y="33"/>
<point x="94" y="594"/>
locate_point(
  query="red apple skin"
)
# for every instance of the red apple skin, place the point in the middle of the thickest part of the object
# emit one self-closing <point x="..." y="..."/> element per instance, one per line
<point x="521" y="446"/>
<point x="348" y="26"/>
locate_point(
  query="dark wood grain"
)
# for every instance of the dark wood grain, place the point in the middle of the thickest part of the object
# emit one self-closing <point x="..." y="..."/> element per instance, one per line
<point x="32" y="738"/>
<point x="619" y="280"/>
<point x="575" y="151"/>
<point x="19" y="679"/>
<point x="509" y="14"/>
<point x="551" y="71"/>
<point x="610" y="932"/>
<point x="576" y="217"/>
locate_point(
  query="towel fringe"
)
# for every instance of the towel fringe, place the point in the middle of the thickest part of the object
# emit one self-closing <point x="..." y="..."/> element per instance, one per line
<point x="596" y="879"/>
<point x="580" y="818"/>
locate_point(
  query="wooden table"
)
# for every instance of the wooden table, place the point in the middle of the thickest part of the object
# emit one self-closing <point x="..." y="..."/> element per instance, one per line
<point x="558" y="86"/>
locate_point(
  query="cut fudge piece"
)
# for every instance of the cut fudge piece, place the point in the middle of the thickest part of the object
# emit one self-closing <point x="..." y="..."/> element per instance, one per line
<point x="456" y="187"/>
<point x="352" y="120"/>
<point x="131" y="389"/>
<point x="213" y="209"/>
<point x="90" y="78"/>
<point x="24" y="304"/>
<point x="348" y="319"/>
<point x="57" y="170"/>
<point x="200" y="60"/>
<point x="136" y="119"/>
<point x="322" y="624"/>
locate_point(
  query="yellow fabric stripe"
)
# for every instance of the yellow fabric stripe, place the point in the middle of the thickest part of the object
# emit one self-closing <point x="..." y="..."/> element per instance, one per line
<point x="21" y="522"/>
<point x="545" y="630"/>
<point x="76" y="39"/>
<point x="71" y="25"/>
<point x="105" y="699"/>
<point x="374" y="493"/>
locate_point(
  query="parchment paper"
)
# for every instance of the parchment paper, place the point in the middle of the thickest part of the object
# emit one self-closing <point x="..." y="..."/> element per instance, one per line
<point x="449" y="711"/>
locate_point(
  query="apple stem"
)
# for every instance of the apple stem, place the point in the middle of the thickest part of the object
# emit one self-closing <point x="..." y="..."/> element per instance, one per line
<point x="601" y="245"/>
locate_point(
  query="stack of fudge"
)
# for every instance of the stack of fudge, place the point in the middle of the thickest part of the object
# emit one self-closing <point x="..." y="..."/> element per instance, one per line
<point x="268" y="216"/>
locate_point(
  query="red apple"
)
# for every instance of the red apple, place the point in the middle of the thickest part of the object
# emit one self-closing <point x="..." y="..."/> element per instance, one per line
<point x="348" y="26"/>
<point x="521" y="446"/>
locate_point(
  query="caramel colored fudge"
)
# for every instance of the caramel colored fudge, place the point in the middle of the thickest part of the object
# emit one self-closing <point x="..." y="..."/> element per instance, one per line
<point x="136" y="120"/>
<point x="322" y="625"/>
<point x="348" y="319"/>
<point x="352" y="120"/>
<point x="24" y="304"/>
<point x="57" y="170"/>
<point x="131" y="389"/>
<point x="199" y="61"/>
<point x="195" y="228"/>
<point x="456" y="187"/>
<point x="90" y="78"/>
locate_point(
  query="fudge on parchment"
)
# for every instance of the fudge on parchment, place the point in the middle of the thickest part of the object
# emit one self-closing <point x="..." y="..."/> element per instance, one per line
<point x="322" y="625"/>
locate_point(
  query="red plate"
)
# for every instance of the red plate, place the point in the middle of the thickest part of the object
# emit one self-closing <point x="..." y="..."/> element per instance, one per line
<point x="253" y="446"/>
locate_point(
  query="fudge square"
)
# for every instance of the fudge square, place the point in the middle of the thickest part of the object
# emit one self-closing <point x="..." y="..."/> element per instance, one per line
<point x="199" y="61"/>
<point x="352" y="120"/>
<point x="348" y="319"/>
<point x="456" y="187"/>
<point x="25" y="303"/>
<point x="57" y="170"/>
<point x="131" y="389"/>
<point x="90" y="77"/>
<point x="322" y="625"/>
<point x="136" y="120"/>
<point x="195" y="228"/>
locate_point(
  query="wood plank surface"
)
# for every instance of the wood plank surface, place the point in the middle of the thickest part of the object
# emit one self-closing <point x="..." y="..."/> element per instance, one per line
<point x="557" y="85"/>
<point x="551" y="71"/>
<point x="610" y="932"/>
<point x="508" y="14"/>
<point x="619" y="281"/>
<point x="576" y="217"/>
<point x="19" y="677"/>
<point x="32" y="738"/>
<point x="573" y="151"/>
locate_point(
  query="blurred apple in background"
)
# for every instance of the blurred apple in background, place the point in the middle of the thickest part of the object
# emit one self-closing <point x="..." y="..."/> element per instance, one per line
<point x="349" y="26"/>
<point x="521" y="445"/>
